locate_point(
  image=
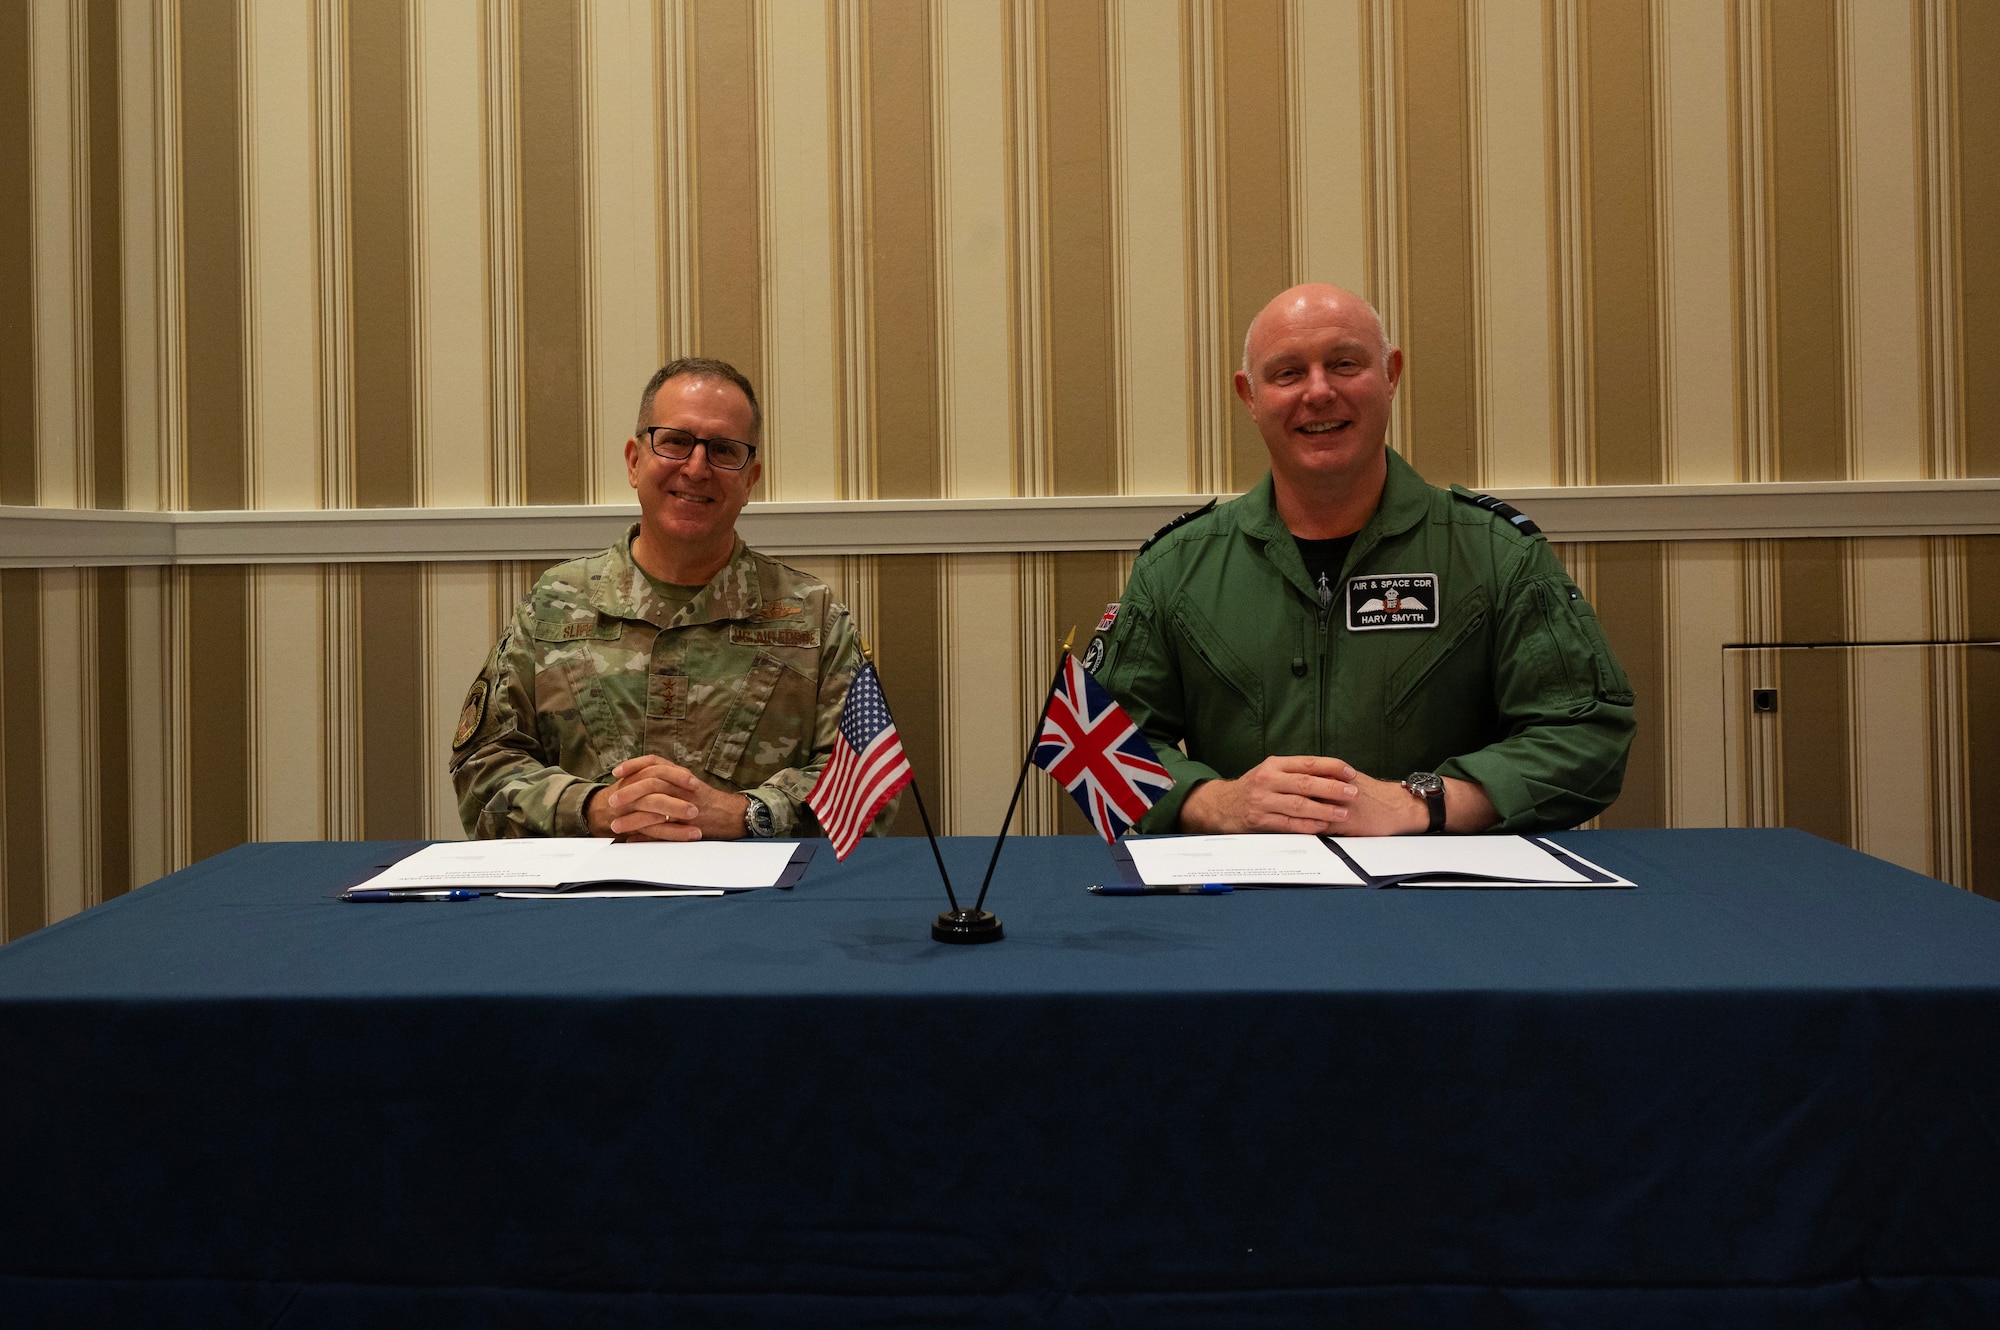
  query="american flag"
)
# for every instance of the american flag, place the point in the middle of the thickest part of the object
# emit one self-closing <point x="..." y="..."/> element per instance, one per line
<point x="867" y="766"/>
<point x="1092" y="747"/>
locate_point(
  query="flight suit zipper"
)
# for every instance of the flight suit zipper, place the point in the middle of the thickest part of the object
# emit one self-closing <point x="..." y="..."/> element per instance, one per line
<point x="1325" y="680"/>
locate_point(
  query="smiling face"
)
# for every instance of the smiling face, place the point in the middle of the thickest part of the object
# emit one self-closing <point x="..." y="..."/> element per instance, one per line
<point x="688" y="509"/>
<point x="1318" y="381"/>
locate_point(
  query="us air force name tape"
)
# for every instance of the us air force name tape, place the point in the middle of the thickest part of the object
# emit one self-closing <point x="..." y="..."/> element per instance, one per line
<point x="1154" y="539"/>
<point x="1499" y="509"/>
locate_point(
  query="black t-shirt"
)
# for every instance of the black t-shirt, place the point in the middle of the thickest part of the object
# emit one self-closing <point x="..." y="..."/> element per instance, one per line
<point x="1323" y="559"/>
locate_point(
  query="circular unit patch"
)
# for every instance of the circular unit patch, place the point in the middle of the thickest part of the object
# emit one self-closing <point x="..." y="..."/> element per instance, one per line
<point x="474" y="713"/>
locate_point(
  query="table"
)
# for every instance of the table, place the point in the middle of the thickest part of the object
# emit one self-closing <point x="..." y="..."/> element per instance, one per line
<point x="1761" y="1089"/>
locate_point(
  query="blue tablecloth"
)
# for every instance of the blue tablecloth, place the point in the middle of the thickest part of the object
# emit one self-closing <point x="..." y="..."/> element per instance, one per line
<point x="1763" y="1088"/>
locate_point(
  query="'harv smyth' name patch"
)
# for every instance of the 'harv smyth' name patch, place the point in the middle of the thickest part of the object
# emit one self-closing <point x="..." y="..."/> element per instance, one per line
<point x="1392" y="600"/>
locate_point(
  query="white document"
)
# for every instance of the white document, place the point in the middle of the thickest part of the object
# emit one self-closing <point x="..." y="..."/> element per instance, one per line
<point x="522" y="862"/>
<point x="733" y="865"/>
<point x="1512" y="857"/>
<point x="540" y="865"/>
<point x="1292" y="860"/>
<point x="649" y="893"/>
<point x="1508" y="860"/>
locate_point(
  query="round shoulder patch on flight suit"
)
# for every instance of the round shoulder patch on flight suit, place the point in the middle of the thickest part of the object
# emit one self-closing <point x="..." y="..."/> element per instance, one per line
<point x="472" y="715"/>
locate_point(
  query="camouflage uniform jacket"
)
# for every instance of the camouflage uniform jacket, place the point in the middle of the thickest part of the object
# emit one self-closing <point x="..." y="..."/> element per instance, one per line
<point x="743" y="687"/>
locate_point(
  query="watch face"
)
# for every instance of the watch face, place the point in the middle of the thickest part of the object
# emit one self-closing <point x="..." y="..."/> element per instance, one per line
<point x="1423" y="782"/>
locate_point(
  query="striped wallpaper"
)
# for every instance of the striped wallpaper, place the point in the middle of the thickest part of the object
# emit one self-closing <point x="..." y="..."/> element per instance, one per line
<point x="279" y="255"/>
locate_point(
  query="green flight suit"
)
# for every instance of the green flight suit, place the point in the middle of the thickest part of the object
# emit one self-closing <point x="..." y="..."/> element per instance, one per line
<point x="742" y="686"/>
<point x="1502" y="675"/>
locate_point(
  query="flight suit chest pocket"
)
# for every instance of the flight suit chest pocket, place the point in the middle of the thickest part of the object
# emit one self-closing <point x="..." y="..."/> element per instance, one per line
<point x="1223" y="719"/>
<point x="1431" y="663"/>
<point x="1211" y="648"/>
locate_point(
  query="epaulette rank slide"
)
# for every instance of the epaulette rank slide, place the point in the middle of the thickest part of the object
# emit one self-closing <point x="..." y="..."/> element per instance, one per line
<point x="1189" y="516"/>
<point x="1499" y="509"/>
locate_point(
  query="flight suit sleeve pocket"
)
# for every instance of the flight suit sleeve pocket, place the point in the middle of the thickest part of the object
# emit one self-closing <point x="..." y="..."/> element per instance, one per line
<point x="1579" y="664"/>
<point x="1581" y="636"/>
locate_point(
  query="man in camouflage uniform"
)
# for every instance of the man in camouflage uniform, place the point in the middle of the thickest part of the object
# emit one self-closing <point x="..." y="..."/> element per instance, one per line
<point x="679" y="685"/>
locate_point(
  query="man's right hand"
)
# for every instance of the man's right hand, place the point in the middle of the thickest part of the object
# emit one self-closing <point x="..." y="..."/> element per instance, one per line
<point x="1308" y="794"/>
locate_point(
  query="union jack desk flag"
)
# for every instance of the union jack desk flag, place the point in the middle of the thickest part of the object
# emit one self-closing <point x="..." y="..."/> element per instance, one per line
<point x="1097" y="753"/>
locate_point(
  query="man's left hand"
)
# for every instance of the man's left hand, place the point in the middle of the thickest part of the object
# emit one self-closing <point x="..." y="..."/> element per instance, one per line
<point x="1386" y="808"/>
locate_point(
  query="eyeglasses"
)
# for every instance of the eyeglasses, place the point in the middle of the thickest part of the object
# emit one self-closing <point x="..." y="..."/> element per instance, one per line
<point x="677" y="445"/>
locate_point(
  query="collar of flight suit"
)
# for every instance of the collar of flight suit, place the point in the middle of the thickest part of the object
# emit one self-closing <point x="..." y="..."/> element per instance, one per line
<point x="1405" y="501"/>
<point x="623" y="591"/>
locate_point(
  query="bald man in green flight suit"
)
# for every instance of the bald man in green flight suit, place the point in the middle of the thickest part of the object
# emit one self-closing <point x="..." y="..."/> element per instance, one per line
<point x="1348" y="650"/>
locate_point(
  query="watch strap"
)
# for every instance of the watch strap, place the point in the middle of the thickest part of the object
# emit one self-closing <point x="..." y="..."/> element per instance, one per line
<point x="1430" y="788"/>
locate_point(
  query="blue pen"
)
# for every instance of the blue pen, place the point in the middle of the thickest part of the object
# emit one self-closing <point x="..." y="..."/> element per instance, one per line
<point x="1171" y="889"/>
<point x="454" y="894"/>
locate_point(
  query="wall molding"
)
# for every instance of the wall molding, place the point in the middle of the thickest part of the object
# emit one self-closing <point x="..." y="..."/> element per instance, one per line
<point x="65" y="538"/>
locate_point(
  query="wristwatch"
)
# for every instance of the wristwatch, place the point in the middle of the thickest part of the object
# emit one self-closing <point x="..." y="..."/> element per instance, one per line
<point x="757" y="819"/>
<point x="1429" y="787"/>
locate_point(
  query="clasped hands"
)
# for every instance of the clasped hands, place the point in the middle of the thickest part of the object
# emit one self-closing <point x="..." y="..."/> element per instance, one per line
<point x="1324" y="796"/>
<point x="651" y="798"/>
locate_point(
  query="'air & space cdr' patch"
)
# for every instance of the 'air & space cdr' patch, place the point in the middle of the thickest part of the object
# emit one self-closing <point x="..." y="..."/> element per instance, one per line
<point x="1392" y="600"/>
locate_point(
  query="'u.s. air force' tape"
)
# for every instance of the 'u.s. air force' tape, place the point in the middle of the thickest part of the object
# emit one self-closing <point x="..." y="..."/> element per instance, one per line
<point x="1392" y="600"/>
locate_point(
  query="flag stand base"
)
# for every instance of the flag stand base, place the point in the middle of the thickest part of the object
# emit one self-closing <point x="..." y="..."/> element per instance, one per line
<point x="966" y="926"/>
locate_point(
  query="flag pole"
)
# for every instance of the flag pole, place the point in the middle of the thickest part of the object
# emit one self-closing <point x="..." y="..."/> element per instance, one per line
<point x="1033" y="736"/>
<point x="936" y="853"/>
<point x="950" y="895"/>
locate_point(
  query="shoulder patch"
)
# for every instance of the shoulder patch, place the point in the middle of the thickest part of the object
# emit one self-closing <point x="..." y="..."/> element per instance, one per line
<point x="1154" y="539"/>
<point x="1093" y="656"/>
<point x="474" y="713"/>
<point x="1499" y="508"/>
